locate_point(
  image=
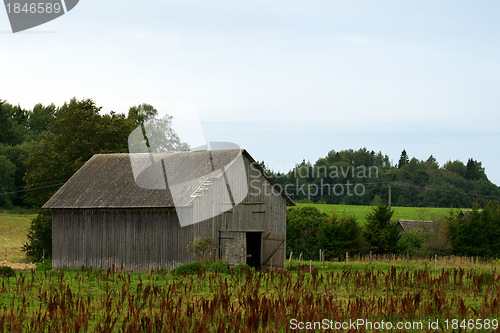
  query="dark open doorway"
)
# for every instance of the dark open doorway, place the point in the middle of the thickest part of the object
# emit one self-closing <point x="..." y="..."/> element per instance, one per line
<point x="253" y="249"/>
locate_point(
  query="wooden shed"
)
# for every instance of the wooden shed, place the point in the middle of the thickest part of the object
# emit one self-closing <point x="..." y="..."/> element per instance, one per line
<point x="101" y="218"/>
<point x="415" y="225"/>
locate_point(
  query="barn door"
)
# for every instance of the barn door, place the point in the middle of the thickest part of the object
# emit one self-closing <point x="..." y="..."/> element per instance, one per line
<point x="232" y="247"/>
<point x="273" y="250"/>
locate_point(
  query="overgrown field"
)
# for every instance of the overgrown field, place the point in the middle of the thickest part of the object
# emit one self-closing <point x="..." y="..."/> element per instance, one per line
<point x="247" y="301"/>
<point x="13" y="231"/>
<point x="404" y="213"/>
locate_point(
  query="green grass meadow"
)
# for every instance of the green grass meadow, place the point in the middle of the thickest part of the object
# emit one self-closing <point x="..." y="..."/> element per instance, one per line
<point x="400" y="213"/>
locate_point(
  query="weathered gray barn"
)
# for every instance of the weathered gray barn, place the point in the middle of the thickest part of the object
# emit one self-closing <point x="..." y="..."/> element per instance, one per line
<point x="101" y="218"/>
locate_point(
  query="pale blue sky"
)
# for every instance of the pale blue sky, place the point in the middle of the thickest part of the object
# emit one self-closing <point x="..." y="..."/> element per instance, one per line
<point x="287" y="80"/>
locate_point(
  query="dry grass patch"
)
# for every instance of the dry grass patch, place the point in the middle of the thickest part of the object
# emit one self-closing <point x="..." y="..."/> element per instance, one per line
<point x="13" y="231"/>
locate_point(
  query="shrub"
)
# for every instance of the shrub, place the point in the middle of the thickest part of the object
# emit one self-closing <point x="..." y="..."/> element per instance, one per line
<point x="6" y="271"/>
<point x="302" y="230"/>
<point x="340" y="235"/>
<point x="202" y="248"/>
<point x="39" y="237"/>
<point x="477" y="233"/>
<point x="44" y="266"/>
<point x="438" y="241"/>
<point x="161" y="271"/>
<point x="196" y="266"/>
<point x="187" y="269"/>
<point x="240" y="269"/>
<point x="410" y="241"/>
<point x="218" y="266"/>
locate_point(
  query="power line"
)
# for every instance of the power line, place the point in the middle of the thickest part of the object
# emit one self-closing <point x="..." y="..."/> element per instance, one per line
<point x="32" y="189"/>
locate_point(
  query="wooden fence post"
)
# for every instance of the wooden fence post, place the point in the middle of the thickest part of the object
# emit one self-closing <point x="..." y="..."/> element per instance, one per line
<point x="408" y="260"/>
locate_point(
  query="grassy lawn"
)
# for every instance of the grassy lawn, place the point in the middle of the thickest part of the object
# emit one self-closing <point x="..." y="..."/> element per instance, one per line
<point x="404" y="213"/>
<point x="13" y="231"/>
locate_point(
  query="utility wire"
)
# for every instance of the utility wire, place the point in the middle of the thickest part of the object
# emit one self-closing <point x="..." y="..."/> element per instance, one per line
<point x="32" y="189"/>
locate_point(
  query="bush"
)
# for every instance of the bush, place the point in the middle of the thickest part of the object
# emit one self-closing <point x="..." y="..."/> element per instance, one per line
<point x="6" y="271"/>
<point x="477" y="234"/>
<point x="40" y="237"/>
<point x="202" y="248"/>
<point x="410" y="242"/>
<point x="218" y="266"/>
<point x="340" y="235"/>
<point x="302" y="230"/>
<point x="240" y="269"/>
<point x="161" y="271"/>
<point x="196" y="266"/>
<point x="44" y="266"/>
<point x="187" y="269"/>
<point x="438" y="241"/>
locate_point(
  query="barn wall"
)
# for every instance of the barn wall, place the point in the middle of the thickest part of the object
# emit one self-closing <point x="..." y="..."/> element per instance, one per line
<point x="263" y="209"/>
<point x="132" y="239"/>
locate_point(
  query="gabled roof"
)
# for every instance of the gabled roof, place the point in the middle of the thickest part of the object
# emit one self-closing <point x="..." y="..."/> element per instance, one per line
<point x="467" y="212"/>
<point x="107" y="180"/>
<point x="415" y="225"/>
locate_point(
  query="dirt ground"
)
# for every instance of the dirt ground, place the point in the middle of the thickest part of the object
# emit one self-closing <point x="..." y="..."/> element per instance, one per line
<point x="18" y="266"/>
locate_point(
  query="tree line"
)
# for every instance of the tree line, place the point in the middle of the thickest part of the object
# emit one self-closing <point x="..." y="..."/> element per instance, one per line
<point x="368" y="175"/>
<point x="41" y="148"/>
<point x="474" y="234"/>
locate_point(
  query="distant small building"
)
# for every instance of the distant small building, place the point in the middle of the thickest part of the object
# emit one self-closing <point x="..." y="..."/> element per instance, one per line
<point x="467" y="212"/>
<point x="414" y="225"/>
<point x="101" y="218"/>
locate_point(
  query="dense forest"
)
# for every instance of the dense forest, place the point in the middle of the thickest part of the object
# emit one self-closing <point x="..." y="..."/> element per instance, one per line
<point x="363" y="177"/>
<point x="41" y="148"/>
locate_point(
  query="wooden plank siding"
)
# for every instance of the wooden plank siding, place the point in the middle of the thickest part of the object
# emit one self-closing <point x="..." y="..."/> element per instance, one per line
<point x="138" y="239"/>
<point x="132" y="239"/>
